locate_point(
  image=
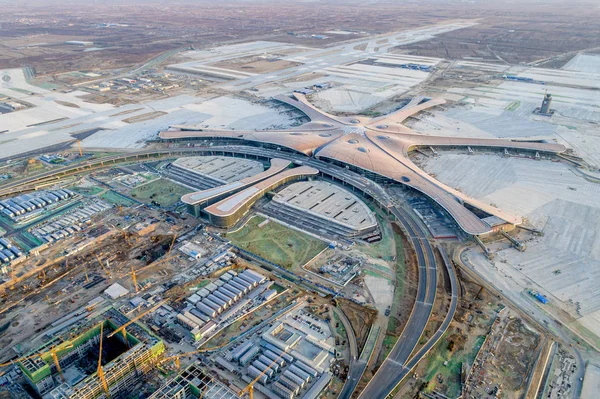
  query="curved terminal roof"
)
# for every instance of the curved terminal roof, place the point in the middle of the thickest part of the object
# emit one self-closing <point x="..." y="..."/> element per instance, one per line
<point x="223" y="169"/>
<point x="277" y="165"/>
<point x="381" y="145"/>
<point x="298" y="140"/>
<point x="327" y="201"/>
<point x="236" y="202"/>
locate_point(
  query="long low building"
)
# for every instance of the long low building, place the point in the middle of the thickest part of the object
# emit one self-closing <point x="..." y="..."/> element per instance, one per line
<point x="199" y="199"/>
<point x="325" y="206"/>
<point x="229" y="211"/>
<point x="211" y="171"/>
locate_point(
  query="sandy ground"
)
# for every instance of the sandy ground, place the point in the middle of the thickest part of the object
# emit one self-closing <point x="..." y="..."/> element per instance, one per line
<point x="584" y="63"/>
<point x="382" y="291"/>
<point x="591" y="382"/>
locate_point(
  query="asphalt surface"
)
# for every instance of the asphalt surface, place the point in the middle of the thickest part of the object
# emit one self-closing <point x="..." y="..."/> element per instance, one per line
<point x="447" y="320"/>
<point x="357" y="366"/>
<point x="395" y="367"/>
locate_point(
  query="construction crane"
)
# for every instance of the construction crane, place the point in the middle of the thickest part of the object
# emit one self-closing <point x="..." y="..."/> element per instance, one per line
<point x="42" y="276"/>
<point x="250" y="387"/>
<point x="133" y="277"/>
<point x="133" y="320"/>
<point x="102" y="265"/>
<point x="172" y="243"/>
<point x="79" y="145"/>
<point x="153" y="264"/>
<point x="176" y="358"/>
<point x="53" y="352"/>
<point x="126" y="237"/>
<point x="100" y="369"/>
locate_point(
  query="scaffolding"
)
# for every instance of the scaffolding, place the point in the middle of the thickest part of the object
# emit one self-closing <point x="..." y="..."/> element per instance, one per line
<point x="194" y="383"/>
<point x="121" y="374"/>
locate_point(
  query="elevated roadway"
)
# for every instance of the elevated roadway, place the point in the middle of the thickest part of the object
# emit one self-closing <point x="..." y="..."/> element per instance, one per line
<point x="351" y="178"/>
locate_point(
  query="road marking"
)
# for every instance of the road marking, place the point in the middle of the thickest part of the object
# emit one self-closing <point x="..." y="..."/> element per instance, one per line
<point x="395" y="362"/>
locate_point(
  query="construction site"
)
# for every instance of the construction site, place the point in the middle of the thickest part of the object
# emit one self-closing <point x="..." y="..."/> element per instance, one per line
<point x="102" y="258"/>
<point x="245" y="275"/>
<point x="337" y="201"/>
<point x="125" y="352"/>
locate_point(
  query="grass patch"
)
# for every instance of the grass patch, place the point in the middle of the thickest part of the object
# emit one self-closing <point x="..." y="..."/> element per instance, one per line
<point x="114" y="198"/>
<point x="105" y="154"/>
<point x="388" y="344"/>
<point x="513" y="106"/>
<point x="383" y="248"/>
<point x="276" y="243"/>
<point x="450" y="372"/>
<point x="400" y="269"/>
<point x="31" y="238"/>
<point x="341" y="331"/>
<point x="278" y="288"/>
<point x="202" y="284"/>
<point x="162" y="192"/>
<point x="91" y="191"/>
<point x="374" y="274"/>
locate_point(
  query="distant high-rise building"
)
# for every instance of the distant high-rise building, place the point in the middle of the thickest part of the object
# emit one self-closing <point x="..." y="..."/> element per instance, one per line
<point x="546" y="104"/>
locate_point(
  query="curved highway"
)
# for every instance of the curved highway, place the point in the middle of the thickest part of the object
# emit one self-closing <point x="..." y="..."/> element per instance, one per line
<point x="412" y="363"/>
<point x="356" y="367"/>
<point x="394" y="367"/>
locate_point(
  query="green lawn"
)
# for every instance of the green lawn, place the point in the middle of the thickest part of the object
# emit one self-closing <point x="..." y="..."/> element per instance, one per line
<point x="162" y="191"/>
<point x="452" y="370"/>
<point x="276" y="243"/>
<point x="91" y="190"/>
<point x="400" y="269"/>
<point x="513" y="106"/>
<point x="380" y="249"/>
<point x="278" y="288"/>
<point x="388" y="344"/>
<point x="114" y="198"/>
<point x="202" y="284"/>
<point x="340" y="326"/>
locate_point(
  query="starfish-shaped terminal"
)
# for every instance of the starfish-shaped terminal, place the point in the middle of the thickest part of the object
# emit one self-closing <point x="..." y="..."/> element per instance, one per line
<point x="380" y="147"/>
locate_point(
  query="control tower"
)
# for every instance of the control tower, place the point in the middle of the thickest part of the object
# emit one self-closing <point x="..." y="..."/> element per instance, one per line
<point x="545" y="109"/>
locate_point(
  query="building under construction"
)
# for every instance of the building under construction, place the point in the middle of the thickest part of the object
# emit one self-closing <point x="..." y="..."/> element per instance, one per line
<point x="93" y="361"/>
<point x="193" y="383"/>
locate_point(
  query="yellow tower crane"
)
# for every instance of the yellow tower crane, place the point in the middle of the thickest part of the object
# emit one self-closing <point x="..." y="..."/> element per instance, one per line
<point x="100" y="369"/>
<point x="123" y="328"/>
<point x="172" y="243"/>
<point x="102" y="266"/>
<point x="79" y="145"/>
<point x="53" y="353"/>
<point x="250" y="387"/>
<point x="134" y="278"/>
